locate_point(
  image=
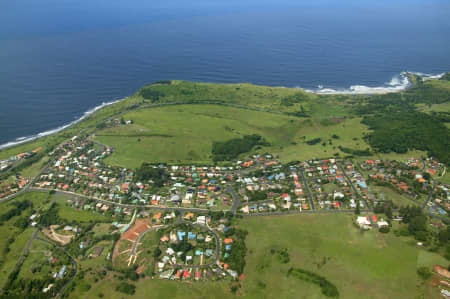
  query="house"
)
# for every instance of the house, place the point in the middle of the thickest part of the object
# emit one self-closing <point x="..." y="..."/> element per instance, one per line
<point x="382" y="223"/>
<point x="62" y="272"/>
<point x="245" y="209"/>
<point x="181" y="235"/>
<point x="363" y="222"/>
<point x="228" y="241"/>
<point x="198" y="275"/>
<point x="189" y="216"/>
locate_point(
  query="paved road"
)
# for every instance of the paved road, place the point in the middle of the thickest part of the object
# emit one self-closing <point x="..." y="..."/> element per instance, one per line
<point x="236" y="200"/>
<point x="305" y="183"/>
<point x="429" y="195"/>
<point x="302" y="212"/>
<point x="206" y="228"/>
<point x="27" y="248"/>
<point x="131" y="206"/>
<point x="256" y="202"/>
<point x="353" y="187"/>
<point x="141" y="235"/>
<point x="217" y="257"/>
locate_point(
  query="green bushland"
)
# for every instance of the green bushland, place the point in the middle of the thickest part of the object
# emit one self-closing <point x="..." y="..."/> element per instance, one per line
<point x="231" y="149"/>
<point x="327" y="288"/>
<point x="401" y="131"/>
<point x="149" y="172"/>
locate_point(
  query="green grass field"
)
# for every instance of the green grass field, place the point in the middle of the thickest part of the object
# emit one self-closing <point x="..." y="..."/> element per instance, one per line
<point x="186" y="133"/>
<point x="369" y="265"/>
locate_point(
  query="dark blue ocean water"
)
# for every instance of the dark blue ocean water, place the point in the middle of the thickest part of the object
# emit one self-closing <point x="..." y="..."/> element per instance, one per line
<point x="60" y="58"/>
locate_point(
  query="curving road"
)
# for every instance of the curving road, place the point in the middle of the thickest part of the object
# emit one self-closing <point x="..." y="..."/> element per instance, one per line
<point x="206" y="228"/>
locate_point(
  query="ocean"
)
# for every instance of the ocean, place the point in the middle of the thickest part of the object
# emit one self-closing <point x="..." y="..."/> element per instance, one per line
<point x="62" y="59"/>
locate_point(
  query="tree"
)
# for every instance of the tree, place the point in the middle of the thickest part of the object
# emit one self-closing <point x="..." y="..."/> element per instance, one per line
<point x="418" y="223"/>
<point x="424" y="273"/>
<point x="388" y="212"/>
<point x="358" y="208"/>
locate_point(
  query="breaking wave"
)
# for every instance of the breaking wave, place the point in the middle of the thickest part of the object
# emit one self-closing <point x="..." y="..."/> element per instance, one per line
<point x="397" y="83"/>
<point x="56" y="130"/>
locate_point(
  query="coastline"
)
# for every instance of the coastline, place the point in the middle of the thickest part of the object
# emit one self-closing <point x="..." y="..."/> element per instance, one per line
<point x="26" y="139"/>
<point x="398" y="83"/>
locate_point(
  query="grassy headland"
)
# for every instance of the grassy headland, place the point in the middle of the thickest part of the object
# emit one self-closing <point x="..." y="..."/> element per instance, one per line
<point x="178" y="121"/>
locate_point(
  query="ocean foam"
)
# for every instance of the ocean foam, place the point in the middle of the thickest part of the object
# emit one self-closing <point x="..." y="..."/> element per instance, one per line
<point x="397" y="83"/>
<point x="21" y="140"/>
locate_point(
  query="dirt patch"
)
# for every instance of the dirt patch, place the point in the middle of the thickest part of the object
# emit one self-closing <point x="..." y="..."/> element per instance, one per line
<point x="61" y="239"/>
<point x="141" y="269"/>
<point x="139" y="226"/>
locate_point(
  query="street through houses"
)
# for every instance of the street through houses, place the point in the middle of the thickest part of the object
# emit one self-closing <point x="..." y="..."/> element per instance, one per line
<point x="429" y="195"/>
<point x="366" y="203"/>
<point x="305" y="183"/>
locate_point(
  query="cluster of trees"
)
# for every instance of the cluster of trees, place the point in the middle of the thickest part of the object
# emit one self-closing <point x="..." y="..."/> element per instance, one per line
<point x="282" y="255"/>
<point x="236" y="260"/>
<point x="446" y="77"/>
<point x="148" y="172"/>
<point x="51" y="216"/>
<point x="152" y="94"/>
<point x="30" y="288"/>
<point x="427" y="93"/>
<point x="19" y="207"/>
<point x="126" y="288"/>
<point x="416" y="220"/>
<point x="401" y="131"/>
<point x="314" y="141"/>
<point x="292" y="99"/>
<point x="231" y="149"/>
<point x="257" y="195"/>
<point x="385" y="208"/>
<point x="327" y="288"/>
<point x="355" y="152"/>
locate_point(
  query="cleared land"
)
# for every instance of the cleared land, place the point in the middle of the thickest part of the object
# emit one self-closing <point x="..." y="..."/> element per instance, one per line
<point x="186" y="133"/>
<point x="360" y="265"/>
